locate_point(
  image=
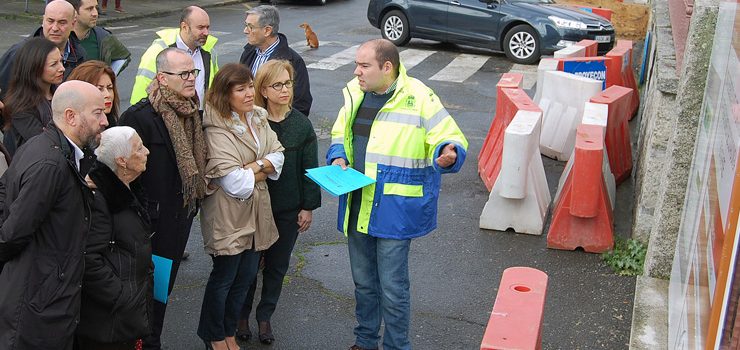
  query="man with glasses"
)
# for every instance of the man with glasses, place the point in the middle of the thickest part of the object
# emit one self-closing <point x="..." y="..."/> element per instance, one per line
<point x="264" y="43"/>
<point x="193" y="37"/>
<point x="169" y="124"/>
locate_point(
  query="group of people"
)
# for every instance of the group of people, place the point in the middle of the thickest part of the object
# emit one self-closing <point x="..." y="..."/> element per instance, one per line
<point x="90" y="195"/>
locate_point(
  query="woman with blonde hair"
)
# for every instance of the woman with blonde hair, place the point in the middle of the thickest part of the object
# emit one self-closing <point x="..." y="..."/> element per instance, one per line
<point x="298" y="195"/>
<point x="236" y="220"/>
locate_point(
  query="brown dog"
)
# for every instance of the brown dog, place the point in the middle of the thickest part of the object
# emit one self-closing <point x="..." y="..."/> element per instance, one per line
<point x="311" y="39"/>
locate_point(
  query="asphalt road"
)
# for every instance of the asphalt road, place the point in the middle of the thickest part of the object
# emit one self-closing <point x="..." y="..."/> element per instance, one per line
<point x="455" y="271"/>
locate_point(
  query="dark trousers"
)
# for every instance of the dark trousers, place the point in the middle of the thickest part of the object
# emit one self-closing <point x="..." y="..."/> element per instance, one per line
<point x="224" y="296"/>
<point x="84" y="343"/>
<point x="169" y="240"/>
<point x="277" y="260"/>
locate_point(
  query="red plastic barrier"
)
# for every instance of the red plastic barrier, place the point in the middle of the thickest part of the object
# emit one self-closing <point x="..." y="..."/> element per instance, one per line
<point x="509" y="100"/>
<point x="606" y="13"/>
<point x="516" y="319"/>
<point x="618" y="145"/>
<point x="583" y="215"/>
<point x="613" y="67"/>
<point x="592" y="47"/>
<point x="628" y="75"/>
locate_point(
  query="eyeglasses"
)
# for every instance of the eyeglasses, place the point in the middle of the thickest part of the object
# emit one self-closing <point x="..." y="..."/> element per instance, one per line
<point x="251" y="27"/>
<point x="279" y="86"/>
<point x="184" y="75"/>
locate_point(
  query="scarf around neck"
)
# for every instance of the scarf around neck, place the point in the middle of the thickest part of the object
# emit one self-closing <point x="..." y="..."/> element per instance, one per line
<point x="181" y="117"/>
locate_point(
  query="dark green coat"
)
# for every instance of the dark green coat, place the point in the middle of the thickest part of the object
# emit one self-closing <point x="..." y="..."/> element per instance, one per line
<point x="294" y="191"/>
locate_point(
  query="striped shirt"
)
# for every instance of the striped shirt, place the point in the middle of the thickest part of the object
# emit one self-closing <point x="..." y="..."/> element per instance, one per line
<point x="263" y="56"/>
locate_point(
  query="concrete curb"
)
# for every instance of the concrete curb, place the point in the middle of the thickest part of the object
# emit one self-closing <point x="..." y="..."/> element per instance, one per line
<point x="106" y="21"/>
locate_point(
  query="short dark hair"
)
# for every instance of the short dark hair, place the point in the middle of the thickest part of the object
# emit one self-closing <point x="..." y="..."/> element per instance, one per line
<point x="186" y="12"/>
<point x="219" y="92"/>
<point x="76" y="4"/>
<point x="385" y="51"/>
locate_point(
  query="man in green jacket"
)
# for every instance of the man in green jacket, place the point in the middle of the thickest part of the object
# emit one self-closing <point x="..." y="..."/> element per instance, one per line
<point x="192" y="36"/>
<point x="98" y="42"/>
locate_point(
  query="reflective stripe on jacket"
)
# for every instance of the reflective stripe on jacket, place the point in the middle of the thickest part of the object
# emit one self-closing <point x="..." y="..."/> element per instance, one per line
<point x="405" y="139"/>
<point x="148" y="66"/>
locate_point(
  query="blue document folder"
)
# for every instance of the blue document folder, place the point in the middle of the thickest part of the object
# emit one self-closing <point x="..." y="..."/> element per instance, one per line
<point x="337" y="181"/>
<point x="162" y="270"/>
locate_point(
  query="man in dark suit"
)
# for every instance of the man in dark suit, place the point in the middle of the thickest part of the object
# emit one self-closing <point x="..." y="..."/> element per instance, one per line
<point x="170" y="127"/>
<point x="264" y="43"/>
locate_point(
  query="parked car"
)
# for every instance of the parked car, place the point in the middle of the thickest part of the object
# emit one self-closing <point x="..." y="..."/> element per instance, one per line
<point x="523" y="29"/>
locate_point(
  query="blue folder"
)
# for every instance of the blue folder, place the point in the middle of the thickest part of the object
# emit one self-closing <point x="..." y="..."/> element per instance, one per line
<point x="162" y="270"/>
<point x="337" y="181"/>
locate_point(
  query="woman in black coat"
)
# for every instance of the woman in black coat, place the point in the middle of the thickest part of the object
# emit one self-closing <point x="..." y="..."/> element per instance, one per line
<point x="118" y="283"/>
<point x="37" y="69"/>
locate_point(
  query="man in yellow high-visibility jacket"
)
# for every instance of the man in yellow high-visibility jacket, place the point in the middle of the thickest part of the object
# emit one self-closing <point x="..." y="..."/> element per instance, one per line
<point x="394" y="129"/>
<point x="193" y="37"/>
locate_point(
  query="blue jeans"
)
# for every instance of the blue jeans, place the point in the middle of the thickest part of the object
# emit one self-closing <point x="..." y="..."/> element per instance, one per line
<point x="224" y="296"/>
<point x="380" y="270"/>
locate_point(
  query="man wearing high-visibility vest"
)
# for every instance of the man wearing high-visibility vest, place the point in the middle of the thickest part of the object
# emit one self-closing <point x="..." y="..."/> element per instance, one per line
<point x="394" y="129"/>
<point x="193" y="37"/>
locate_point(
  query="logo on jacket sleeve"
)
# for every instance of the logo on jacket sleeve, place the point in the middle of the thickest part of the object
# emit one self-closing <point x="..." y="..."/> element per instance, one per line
<point x="410" y="102"/>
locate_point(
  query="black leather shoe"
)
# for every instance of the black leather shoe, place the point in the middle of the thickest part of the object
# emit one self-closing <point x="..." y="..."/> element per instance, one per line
<point x="265" y="332"/>
<point x="243" y="333"/>
<point x="357" y="347"/>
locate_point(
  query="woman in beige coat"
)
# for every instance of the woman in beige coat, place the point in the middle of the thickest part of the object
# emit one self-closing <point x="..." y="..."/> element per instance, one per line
<point x="236" y="218"/>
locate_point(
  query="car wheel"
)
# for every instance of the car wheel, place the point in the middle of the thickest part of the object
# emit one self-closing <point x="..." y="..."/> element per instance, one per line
<point x="522" y="44"/>
<point x="395" y="27"/>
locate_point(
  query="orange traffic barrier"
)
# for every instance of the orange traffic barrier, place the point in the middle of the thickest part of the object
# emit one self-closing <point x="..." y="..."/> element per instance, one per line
<point x="601" y="68"/>
<point x="583" y="215"/>
<point x="516" y="319"/>
<point x="628" y="76"/>
<point x="592" y="47"/>
<point x="618" y="144"/>
<point x="510" y="98"/>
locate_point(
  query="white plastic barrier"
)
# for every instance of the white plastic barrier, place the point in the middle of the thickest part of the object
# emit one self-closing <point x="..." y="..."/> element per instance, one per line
<point x="546" y="65"/>
<point x="571" y="51"/>
<point x="520" y="197"/>
<point x="562" y="101"/>
<point x="594" y="114"/>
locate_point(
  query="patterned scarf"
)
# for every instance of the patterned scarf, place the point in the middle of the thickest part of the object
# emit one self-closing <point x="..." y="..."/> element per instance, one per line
<point x="183" y="122"/>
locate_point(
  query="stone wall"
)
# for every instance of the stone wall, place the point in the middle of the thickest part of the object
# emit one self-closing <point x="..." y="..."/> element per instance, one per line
<point x="668" y="132"/>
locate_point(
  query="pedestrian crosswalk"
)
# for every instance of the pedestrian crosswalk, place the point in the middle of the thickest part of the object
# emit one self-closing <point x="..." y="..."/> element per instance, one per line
<point x="461" y="68"/>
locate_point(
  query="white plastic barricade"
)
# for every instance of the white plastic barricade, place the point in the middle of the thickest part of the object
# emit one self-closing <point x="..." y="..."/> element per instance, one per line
<point x="562" y="101"/>
<point x="520" y="197"/>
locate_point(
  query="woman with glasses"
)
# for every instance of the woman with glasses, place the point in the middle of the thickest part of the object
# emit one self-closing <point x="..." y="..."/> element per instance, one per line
<point x="236" y="220"/>
<point x="298" y="195"/>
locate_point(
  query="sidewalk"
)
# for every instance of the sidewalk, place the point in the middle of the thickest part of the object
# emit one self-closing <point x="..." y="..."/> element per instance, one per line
<point x="16" y="9"/>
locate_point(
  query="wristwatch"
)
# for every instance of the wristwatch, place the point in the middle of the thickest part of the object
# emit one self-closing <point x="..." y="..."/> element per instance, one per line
<point x="261" y="164"/>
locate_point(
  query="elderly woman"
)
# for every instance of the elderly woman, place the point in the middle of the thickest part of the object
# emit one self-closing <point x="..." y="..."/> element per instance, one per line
<point x="236" y="220"/>
<point x="117" y="285"/>
<point x="101" y="75"/>
<point x="298" y="195"/>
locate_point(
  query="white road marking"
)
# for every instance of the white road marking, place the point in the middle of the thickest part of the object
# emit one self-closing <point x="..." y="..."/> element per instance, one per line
<point x="412" y="57"/>
<point x="461" y="68"/>
<point x="122" y="27"/>
<point x="336" y="60"/>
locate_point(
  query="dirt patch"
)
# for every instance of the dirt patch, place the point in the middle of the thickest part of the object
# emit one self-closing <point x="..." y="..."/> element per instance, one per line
<point x="629" y="20"/>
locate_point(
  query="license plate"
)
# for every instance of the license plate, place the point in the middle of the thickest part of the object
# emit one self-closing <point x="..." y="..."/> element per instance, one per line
<point x="603" y="38"/>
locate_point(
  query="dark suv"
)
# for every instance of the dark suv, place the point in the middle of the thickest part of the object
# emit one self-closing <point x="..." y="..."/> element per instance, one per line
<point x="523" y="29"/>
